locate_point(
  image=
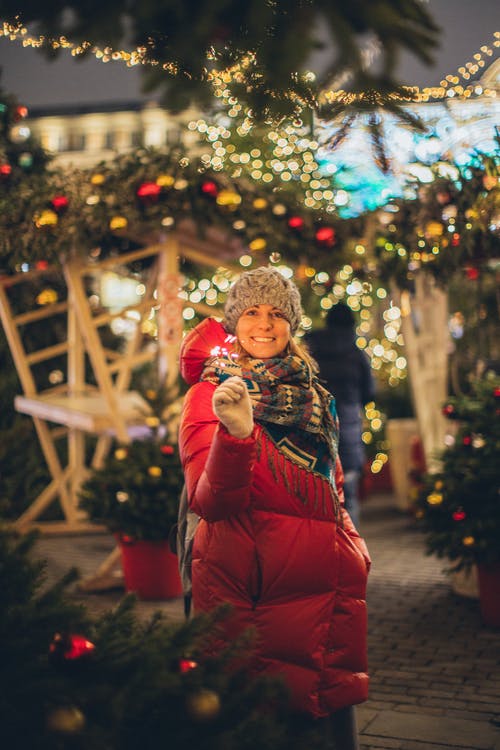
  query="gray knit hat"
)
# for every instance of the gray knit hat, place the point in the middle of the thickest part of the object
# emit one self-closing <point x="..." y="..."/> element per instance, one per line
<point x="263" y="286"/>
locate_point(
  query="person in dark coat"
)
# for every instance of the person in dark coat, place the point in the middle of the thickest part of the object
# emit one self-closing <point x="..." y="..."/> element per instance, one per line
<point x="258" y="443"/>
<point x="345" y="370"/>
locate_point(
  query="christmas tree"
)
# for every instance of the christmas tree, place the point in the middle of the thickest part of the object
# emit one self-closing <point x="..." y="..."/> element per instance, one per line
<point x="136" y="492"/>
<point x="22" y="165"/>
<point x="459" y="508"/>
<point x="118" y="683"/>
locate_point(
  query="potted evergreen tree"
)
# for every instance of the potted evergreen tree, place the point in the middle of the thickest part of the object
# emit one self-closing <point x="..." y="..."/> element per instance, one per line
<point x="459" y="508"/>
<point x="135" y="494"/>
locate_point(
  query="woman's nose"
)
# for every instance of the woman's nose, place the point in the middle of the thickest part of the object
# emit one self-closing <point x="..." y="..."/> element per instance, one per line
<point x="265" y="321"/>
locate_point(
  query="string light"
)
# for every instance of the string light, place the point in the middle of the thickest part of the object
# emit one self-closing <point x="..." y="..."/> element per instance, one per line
<point x="457" y="85"/>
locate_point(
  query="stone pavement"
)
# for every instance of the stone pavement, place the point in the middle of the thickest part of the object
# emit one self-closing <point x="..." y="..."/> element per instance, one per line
<point x="435" y="668"/>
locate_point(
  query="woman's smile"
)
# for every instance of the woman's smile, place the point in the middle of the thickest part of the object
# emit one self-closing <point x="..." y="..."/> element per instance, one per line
<point x="263" y="331"/>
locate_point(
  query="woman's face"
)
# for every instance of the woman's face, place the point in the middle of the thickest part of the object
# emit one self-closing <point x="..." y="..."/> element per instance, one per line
<point x="263" y="331"/>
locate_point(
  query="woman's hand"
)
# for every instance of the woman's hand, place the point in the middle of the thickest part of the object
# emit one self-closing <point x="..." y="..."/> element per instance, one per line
<point x="232" y="406"/>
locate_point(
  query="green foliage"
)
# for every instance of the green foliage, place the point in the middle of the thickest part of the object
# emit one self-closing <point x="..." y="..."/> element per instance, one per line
<point x="459" y="508"/>
<point x="29" y="618"/>
<point x="452" y="226"/>
<point x="129" y="688"/>
<point x="198" y="37"/>
<point x="136" y="492"/>
<point x="20" y="155"/>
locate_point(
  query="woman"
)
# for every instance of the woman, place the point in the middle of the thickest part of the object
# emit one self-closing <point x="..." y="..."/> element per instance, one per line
<point x="258" y="443"/>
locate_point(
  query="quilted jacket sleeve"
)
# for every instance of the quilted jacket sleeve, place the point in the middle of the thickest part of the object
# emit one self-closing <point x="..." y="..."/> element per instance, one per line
<point x="218" y="467"/>
<point x="348" y="525"/>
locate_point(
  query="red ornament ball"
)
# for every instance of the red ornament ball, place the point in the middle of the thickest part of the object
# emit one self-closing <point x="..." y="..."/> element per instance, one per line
<point x="167" y="450"/>
<point x="59" y="203"/>
<point x="459" y="515"/>
<point x="210" y="188"/>
<point x="496" y="392"/>
<point x="472" y="273"/>
<point x="148" y="191"/>
<point x="5" y="170"/>
<point x="296" y="222"/>
<point x="467" y="440"/>
<point x="186" y="665"/>
<point x="325" y="236"/>
<point x="70" y="647"/>
<point x="448" y="410"/>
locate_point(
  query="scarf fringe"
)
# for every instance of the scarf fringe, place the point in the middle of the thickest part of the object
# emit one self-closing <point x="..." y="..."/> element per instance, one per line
<point x="306" y="484"/>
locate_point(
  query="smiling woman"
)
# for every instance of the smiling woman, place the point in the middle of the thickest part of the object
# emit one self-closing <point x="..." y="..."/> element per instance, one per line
<point x="259" y="447"/>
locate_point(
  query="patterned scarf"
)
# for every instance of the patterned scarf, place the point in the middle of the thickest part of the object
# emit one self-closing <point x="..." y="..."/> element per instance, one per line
<point x="285" y="394"/>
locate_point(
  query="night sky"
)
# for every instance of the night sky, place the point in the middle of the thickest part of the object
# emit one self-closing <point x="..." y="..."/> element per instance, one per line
<point x="466" y="25"/>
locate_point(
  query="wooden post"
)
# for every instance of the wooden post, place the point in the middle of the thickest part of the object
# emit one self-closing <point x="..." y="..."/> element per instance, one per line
<point x="76" y="380"/>
<point x="424" y="316"/>
<point x="170" y="312"/>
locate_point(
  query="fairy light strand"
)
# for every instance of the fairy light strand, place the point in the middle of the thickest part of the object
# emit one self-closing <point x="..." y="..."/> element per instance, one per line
<point x="460" y="85"/>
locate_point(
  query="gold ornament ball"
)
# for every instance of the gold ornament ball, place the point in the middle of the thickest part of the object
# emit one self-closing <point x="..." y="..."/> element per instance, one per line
<point x="66" y="720"/>
<point x="203" y="705"/>
<point x="97" y="179"/>
<point x="259" y="243"/>
<point x="47" y="297"/>
<point x="154" y="471"/>
<point x="259" y="204"/>
<point x="118" y="222"/>
<point x="165" y="180"/>
<point x="120" y="454"/>
<point x="46" y="218"/>
<point x="435" y="498"/>
<point x="228" y="198"/>
<point x="468" y="541"/>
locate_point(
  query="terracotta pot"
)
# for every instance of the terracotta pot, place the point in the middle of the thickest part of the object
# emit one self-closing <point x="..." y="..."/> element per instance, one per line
<point x="489" y="593"/>
<point x="150" y="569"/>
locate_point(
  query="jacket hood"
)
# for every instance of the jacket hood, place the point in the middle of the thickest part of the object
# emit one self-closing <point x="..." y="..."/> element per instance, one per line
<point x="207" y="339"/>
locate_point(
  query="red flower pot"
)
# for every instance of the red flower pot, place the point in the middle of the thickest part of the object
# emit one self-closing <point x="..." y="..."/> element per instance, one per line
<point x="489" y="593"/>
<point x="150" y="569"/>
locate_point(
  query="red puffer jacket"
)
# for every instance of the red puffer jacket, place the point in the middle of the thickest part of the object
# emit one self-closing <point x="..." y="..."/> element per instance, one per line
<point x="285" y="566"/>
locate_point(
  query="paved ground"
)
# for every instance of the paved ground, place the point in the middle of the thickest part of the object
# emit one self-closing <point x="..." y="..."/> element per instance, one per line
<point x="435" y="667"/>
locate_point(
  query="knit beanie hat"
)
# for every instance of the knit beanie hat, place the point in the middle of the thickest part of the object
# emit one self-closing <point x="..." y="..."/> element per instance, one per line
<point x="263" y="286"/>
